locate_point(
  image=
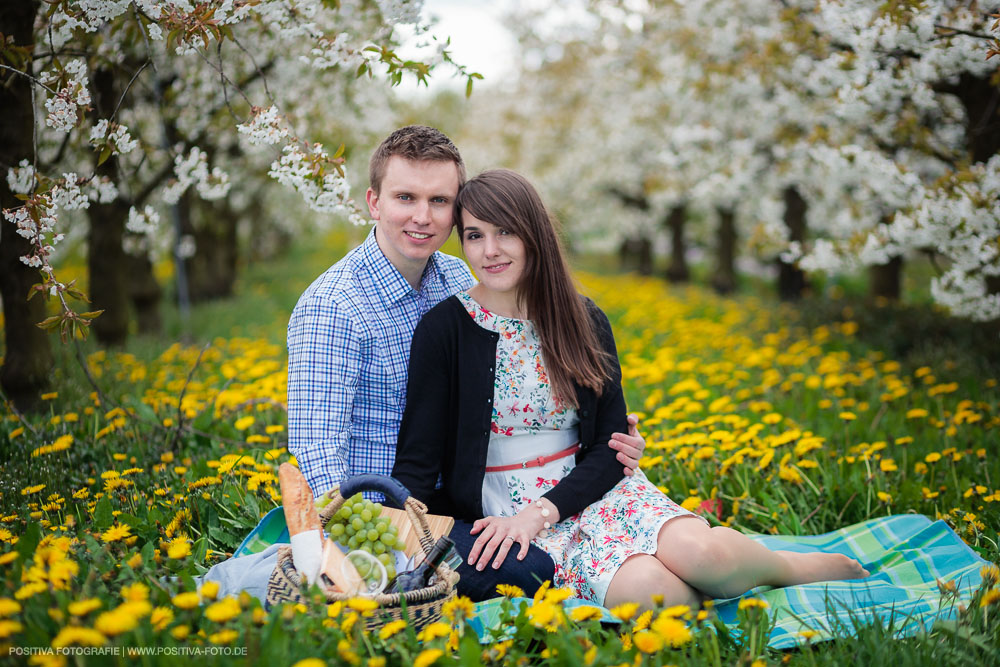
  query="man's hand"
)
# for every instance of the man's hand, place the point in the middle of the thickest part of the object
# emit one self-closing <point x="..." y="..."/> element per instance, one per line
<point x="629" y="446"/>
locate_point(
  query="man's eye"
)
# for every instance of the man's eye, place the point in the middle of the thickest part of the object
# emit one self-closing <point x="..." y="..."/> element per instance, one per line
<point x="405" y="197"/>
<point x="440" y="200"/>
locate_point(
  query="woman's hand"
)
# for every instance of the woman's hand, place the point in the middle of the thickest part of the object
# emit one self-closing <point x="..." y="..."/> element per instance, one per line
<point x="500" y="534"/>
<point x="629" y="446"/>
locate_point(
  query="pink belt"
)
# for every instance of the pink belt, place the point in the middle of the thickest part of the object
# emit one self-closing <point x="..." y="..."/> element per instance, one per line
<point x="540" y="461"/>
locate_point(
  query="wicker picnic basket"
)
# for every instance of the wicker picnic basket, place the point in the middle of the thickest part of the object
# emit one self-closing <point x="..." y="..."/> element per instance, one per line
<point x="419" y="607"/>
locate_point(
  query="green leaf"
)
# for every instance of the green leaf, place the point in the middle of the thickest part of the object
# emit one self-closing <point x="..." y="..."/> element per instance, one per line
<point x="29" y="540"/>
<point x="102" y="514"/>
<point x="468" y="88"/>
<point x="105" y="154"/>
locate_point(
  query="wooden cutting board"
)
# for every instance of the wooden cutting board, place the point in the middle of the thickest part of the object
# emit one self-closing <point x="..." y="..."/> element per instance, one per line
<point x="408" y="534"/>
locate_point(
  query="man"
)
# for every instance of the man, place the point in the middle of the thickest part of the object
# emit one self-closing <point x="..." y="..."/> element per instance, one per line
<point x="349" y="335"/>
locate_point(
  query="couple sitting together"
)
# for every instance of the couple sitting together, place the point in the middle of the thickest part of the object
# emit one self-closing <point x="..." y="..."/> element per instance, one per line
<point x="498" y="402"/>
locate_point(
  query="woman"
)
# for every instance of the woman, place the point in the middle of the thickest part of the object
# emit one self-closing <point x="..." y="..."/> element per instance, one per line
<point x="510" y="386"/>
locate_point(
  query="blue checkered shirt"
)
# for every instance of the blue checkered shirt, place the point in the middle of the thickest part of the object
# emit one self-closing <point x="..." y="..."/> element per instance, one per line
<point x="348" y="351"/>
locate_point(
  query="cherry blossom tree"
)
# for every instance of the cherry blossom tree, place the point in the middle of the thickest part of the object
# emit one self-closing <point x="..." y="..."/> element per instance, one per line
<point x="149" y="123"/>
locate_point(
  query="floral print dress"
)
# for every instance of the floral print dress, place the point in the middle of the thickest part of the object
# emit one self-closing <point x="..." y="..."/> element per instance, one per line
<point x="589" y="547"/>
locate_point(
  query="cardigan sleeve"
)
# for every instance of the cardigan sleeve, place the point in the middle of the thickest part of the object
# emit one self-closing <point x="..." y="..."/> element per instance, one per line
<point x="423" y="432"/>
<point x="597" y="469"/>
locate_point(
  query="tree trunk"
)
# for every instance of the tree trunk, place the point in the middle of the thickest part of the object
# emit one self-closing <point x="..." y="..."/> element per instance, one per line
<point x="28" y="354"/>
<point x="145" y="294"/>
<point x="791" y="279"/>
<point x="212" y="269"/>
<point x="677" y="270"/>
<point x="886" y="279"/>
<point x="106" y="260"/>
<point x="636" y="254"/>
<point x="724" y="278"/>
<point x="981" y="99"/>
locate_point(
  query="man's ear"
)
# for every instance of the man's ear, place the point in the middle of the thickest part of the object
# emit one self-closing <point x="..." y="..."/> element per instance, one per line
<point x="372" y="198"/>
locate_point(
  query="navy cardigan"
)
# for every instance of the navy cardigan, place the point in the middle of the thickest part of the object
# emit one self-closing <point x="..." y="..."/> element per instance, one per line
<point x="449" y="403"/>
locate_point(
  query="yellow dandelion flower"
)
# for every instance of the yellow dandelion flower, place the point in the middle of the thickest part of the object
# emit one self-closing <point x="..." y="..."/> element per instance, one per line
<point x="73" y="634"/>
<point x="8" y="607"/>
<point x="180" y="632"/>
<point x="676" y="611"/>
<point x="224" y="636"/>
<point x="178" y="548"/>
<point x="990" y="597"/>
<point x="433" y="631"/>
<point x="310" y="662"/>
<point x="8" y="557"/>
<point x="916" y="413"/>
<point x="557" y="595"/>
<point x="585" y="613"/>
<point x="933" y="457"/>
<point x="135" y="561"/>
<point x="428" y="657"/>
<point x="116" y="622"/>
<point x="625" y="611"/>
<point x="884" y="497"/>
<point x="48" y="396"/>
<point x="751" y="603"/>
<point x="224" y="610"/>
<point x="847" y="416"/>
<point x="161" y="617"/>
<point x="990" y="574"/>
<point x="645" y="617"/>
<point x="31" y="490"/>
<point x="116" y="532"/>
<point x="461" y="605"/>
<point x="362" y="605"/>
<point x="510" y="591"/>
<point x="647" y="642"/>
<point x="209" y="590"/>
<point x="391" y="628"/>
<point x="673" y="631"/>
<point x="188" y="600"/>
<point x="84" y="607"/>
<point x="243" y="423"/>
<point x="136" y="592"/>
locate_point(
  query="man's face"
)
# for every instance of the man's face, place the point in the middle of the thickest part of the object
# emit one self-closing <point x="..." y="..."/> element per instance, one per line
<point x="413" y="211"/>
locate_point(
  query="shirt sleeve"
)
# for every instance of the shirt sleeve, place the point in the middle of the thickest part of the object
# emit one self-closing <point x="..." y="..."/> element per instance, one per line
<point x="323" y="370"/>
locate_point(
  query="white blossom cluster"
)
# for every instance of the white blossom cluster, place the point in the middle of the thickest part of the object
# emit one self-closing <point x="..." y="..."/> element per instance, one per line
<point x="192" y="169"/>
<point x="266" y="126"/>
<point x="21" y="179"/>
<point x="41" y="235"/>
<point x="324" y="190"/>
<point x="114" y="135"/>
<point x="64" y="106"/>
<point x="142" y="227"/>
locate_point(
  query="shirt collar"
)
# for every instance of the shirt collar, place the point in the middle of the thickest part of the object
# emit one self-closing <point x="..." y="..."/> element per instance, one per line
<point x="390" y="282"/>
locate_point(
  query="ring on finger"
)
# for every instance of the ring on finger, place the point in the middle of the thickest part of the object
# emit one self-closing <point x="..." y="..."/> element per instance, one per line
<point x="509" y="537"/>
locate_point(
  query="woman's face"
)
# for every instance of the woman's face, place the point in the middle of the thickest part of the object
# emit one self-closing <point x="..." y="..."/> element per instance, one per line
<point x="497" y="256"/>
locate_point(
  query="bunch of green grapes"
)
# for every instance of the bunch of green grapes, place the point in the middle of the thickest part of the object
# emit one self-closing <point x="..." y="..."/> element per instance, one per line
<point x="358" y="525"/>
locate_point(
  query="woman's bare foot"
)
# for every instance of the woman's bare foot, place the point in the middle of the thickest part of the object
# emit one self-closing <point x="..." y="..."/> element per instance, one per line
<point x="806" y="568"/>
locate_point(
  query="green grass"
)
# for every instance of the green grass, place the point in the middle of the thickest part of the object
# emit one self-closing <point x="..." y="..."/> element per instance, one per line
<point x="188" y="465"/>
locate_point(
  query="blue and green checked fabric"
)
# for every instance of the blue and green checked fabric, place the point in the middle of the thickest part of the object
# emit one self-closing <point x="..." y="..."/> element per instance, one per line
<point x="906" y="555"/>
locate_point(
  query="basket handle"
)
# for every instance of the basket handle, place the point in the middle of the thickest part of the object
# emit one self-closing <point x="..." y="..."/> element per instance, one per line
<point x="393" y="489"/>
<point x="389" y="486"/>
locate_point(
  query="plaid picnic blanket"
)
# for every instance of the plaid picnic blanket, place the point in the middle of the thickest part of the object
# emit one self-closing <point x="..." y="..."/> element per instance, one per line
<point x="906" y="556"/>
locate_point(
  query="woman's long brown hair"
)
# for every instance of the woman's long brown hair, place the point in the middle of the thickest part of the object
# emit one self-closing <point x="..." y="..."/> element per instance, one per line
<point x="570" y="347"/>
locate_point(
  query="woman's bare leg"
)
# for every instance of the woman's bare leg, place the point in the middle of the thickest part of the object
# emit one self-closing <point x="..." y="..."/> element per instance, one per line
<point x="723" y="563"/>
<point x="640" y="577"/>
